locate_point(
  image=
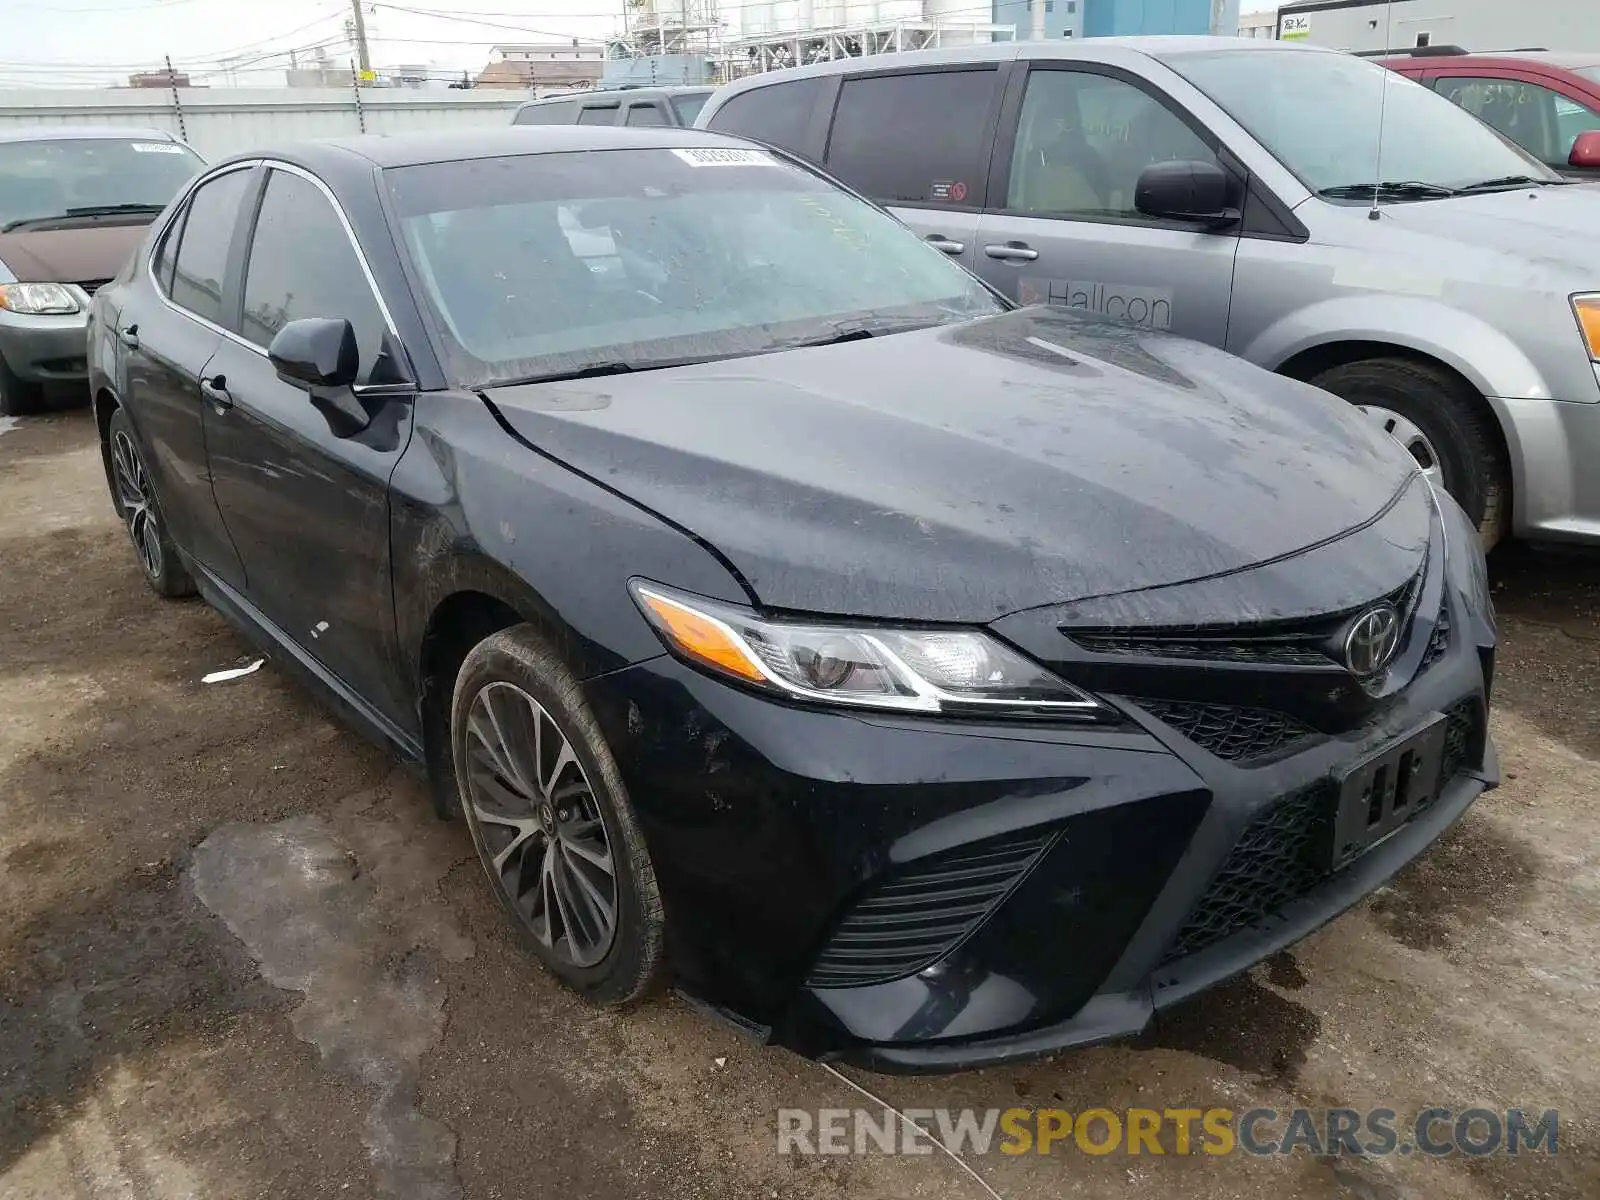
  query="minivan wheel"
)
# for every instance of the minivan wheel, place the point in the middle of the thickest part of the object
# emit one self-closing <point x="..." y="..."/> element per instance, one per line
<point x="551" y="820"/>
<point x="1428" y="411"/>
<point x="134" y="498"/>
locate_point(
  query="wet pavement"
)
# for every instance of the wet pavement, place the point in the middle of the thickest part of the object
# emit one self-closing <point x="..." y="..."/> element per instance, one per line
<point x="240" y="958"/>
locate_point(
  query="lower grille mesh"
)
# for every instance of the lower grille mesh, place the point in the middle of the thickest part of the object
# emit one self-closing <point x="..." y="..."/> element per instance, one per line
<point x="916" y="916"/>
<point x="1282" y="854"/>
<point x="1228" y="732"/>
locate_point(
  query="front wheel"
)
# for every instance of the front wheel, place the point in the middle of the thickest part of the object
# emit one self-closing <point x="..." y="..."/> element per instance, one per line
<point x="134" y="498"/>
<point x="551" y="820"/>
<point x="1430" y="413"/>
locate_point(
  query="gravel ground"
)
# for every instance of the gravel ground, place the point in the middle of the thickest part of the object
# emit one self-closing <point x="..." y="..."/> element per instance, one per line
<point x="239" y="958"/>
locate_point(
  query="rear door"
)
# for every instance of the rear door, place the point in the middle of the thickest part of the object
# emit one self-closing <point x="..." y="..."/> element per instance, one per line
<point x="918" y="142"/>
<point x="1061" y="227"/>
<point x="169" y="334"/>
<point x="304" y="496"/>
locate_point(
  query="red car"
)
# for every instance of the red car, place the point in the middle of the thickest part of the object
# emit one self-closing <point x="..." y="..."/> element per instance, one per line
<point x="1548" y="103"/>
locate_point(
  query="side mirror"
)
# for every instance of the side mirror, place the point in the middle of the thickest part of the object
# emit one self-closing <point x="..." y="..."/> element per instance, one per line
<point x="1186" y="191"/>
<point x="1586" y="151"/>
<point x="318" y="352"/>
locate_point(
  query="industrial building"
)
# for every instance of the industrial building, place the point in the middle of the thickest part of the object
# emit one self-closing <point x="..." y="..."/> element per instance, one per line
<point x="1477" y="25"/>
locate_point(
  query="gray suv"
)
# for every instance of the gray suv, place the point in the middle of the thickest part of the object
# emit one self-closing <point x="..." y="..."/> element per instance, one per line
<point x="1232" y="191"/>
<point x="651" y="107"/>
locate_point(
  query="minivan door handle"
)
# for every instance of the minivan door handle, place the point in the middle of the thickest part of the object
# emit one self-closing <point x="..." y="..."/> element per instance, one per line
<point x="1012" y="251"/>
<point x="939" y="242"/>
<point x="215" y="390"/>
<point x="129" y="337"/>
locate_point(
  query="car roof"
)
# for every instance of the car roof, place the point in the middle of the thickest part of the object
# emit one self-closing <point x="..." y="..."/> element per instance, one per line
<point x="1562" y="60"/>
<point x="73" y="133"/>
<point x="674" y="89"/>
<point x="390" y="150"/>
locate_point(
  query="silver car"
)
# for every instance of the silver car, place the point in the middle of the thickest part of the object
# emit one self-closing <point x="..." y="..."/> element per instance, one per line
<point x="1303" y="208"/>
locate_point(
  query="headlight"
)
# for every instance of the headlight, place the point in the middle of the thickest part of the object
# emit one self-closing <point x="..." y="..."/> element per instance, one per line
<point x="951" y="671"/>
<point x="1587" y="310"/>
<point x="37" y="299"/>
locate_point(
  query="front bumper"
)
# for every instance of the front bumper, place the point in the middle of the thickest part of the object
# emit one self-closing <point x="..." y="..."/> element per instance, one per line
<point x="46" y="349"/>
<point x="1067" y="878"/>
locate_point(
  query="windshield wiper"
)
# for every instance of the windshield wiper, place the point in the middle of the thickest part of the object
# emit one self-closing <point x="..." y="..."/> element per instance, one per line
<point x="91" y="210"/>
<point x="1509" y="181"/>
<point x="616" y="366"/>
<point x="856" y="331"/>
<point x="1407" y="189"/>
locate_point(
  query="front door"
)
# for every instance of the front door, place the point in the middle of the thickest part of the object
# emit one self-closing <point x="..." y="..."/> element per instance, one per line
<point x="305" y="496"/>
<point x="1060" y="226"/>
<point x="1544" y="118"/>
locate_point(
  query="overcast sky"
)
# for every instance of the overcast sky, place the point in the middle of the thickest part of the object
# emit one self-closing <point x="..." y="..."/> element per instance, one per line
<point x="98" y="41"/>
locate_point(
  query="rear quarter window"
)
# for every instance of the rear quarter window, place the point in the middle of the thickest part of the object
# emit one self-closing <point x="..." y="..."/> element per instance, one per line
<point x="779" y="114"/>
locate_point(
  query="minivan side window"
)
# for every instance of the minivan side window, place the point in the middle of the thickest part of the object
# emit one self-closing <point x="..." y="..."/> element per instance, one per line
<point x="1541" y="121"/>
<point x="202" y="260"/>
<point x="546" y="114"/>
<point x="596" y="114"/>
<point x="303" y="265"/>
<point x="1082" y="141"/>
<point x="778" y="114"/>
<point x="646" y="114"/>
<point x="919" y="138"/>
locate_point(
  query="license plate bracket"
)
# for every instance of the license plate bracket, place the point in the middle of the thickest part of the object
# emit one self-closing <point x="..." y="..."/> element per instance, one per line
<point x="1385" y="790"/>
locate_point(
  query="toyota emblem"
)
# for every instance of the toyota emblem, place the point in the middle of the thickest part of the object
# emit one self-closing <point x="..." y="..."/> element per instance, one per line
<point x="1372" y="640"/>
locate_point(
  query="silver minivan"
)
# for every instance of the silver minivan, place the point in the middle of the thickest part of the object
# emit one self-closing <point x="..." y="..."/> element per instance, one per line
<point x="1303" y="208"/>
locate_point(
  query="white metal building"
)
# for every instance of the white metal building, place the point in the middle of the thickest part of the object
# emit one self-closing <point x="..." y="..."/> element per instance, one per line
<point x="1475" y="25"/>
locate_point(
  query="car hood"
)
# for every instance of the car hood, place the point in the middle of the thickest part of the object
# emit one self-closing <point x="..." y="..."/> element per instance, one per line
<point x="1554" y="225"/>
<point x="959" y="473"/>
<point x="78" y="255"/>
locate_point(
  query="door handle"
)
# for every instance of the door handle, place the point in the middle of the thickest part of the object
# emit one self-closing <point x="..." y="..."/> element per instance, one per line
<point x="215" y="390"/>
<point x="129" y="337"/>
<point x="939" y="242"/>
<point x="1011" y="251"/>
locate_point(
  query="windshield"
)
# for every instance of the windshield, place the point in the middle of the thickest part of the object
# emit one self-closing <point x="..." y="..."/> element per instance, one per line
<point x="51" y="178"/>
<point x="1317" y="112"/>
<point x="688" y="107"/>
<point x="541" y="265"/>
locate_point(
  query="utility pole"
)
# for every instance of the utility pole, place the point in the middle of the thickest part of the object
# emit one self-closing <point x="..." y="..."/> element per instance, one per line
<point x="1038" y="20"/>
<point x="363" y="59"/>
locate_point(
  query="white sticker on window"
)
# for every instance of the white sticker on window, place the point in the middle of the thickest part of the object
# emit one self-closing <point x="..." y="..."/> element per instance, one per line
<point x="157" y="147"/>
<point x="707" y="157"/>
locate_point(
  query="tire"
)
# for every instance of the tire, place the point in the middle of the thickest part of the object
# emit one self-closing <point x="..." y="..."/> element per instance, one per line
<point x="133" y="496"/>
<point x="508" y="680"/>
<point x="16" y="397"/>
<point x="1446" y="412"/>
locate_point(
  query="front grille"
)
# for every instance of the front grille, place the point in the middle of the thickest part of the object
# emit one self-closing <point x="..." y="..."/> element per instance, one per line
<point x="1283" y="852"/>
<point x="916" y="916"/>
<point x="1276" y="860"/>
<point x="92" y="285"/>
<point x="1439" y="641"/>
<point x="1235" y="734"/>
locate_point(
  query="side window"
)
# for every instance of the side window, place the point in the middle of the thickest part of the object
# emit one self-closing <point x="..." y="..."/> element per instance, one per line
<point x="778" y="114"/>
<point x="595" y="114"/>
<point x="646" y="114"/>
<point x="302" y="265"/>
<point x="1082" y="141"/>
<point x="167" y="252"/>
<point x="545" y="114"/>
<point x="1539" y="120"/>
<point x="202" y="258"/>
<point x="919" y="138"/>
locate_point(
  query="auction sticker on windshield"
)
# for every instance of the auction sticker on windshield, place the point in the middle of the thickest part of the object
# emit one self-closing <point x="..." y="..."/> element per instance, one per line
<point x="725" y="158"/>
<point x="157" y="148"/>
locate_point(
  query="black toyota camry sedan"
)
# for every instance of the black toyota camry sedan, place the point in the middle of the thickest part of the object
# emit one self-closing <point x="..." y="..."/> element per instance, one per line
<point x="911" y="678"/>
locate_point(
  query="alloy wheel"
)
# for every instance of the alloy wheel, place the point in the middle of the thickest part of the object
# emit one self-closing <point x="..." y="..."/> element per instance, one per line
<point x="540" y="826"/>
<point x="137" y="502"/>
<point x="1408" y="434"/>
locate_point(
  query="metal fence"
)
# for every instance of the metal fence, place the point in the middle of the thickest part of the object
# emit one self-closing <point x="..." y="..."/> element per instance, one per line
<point x="223" y="121"/>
